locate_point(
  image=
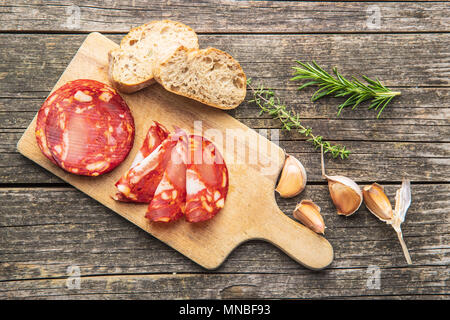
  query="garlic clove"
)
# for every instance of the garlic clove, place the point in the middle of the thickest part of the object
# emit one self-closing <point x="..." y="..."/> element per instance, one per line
<point x="377" y="202"/>
<point x="308" y="213"/>
<point x="345" y="193"/>
<point x="293" y="178"/>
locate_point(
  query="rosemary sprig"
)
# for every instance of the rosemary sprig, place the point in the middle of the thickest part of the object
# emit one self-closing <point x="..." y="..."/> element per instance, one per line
<point x="341" y="87"/>
<point x="271" y="104"/>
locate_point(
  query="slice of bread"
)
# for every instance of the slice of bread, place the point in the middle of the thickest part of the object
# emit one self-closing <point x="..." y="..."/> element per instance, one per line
<point x="209" y="75"/>
<point x="131" y="66"/>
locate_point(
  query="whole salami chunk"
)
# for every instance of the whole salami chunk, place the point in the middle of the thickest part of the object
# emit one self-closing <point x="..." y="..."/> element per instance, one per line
<point x="206" y="180"/>
<point x="89" y="128"/>
<point x="139" y="183"/>
<point x="170" y="195"/>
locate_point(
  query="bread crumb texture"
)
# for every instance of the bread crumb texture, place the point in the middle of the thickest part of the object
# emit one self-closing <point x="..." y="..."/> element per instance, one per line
<point x="143" y="47"/>
<point x="210" y="76"/>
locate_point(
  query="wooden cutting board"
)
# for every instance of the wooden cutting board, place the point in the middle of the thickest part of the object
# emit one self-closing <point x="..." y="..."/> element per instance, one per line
<point x="254" y="164"/>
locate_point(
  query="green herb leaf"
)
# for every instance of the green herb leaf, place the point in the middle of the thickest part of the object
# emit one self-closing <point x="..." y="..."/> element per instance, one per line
<point x="339" y="86"/>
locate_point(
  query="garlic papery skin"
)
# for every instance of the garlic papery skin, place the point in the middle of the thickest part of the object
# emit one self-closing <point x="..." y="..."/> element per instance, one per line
<point x="402" y="203"/>
<point x="345" y="193"/>
<point x="293" y="178"/>
<point x="308" y="213"/>
<point x="377" y="202"/>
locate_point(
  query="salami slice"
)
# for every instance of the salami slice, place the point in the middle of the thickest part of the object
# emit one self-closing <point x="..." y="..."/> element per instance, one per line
<point x="156" y="134"/>
<point x="89" y="128"/>
<point x="139" y="183"/>
<point x="206" y="180"/>
<point x="170" y="195"/>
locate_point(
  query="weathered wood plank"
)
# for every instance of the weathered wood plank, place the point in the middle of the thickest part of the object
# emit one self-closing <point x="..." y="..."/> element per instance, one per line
<point x="226" y="16"/>
<point x="414" y="103"/>
<point x="33" y="63"/>
<point x="351" y="283"/>
<point x="334" y="128"/>
<point x="62" y="227"/>
<point x="60" y="217"/>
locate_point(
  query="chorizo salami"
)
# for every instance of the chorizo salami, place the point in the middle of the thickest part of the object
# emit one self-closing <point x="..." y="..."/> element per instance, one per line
<point x="89" y="129"/>
<point x="156" y="134"/>
<point x="170" y="195"/>
<point x="139" y="183"/>
<point x="206" y="180"/>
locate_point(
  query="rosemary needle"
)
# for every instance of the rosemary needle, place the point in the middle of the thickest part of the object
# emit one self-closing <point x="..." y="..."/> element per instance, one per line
<point x="341" y="87"/>
<point x="269" y="103"/>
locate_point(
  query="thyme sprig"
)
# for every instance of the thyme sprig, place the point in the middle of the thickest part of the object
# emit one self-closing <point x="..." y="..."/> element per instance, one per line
<point x="341" y="87"/>
<point x="271" y="104"/>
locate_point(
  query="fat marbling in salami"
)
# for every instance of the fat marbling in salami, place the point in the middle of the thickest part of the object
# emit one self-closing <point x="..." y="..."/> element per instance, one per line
<point x="206" y="180"/>
<point x="139" y="183"/>
<point x="169" y="199"/>
<point x="156" y="134"/>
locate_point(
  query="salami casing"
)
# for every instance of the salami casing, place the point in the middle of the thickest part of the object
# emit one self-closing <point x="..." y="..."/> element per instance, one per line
<point x="169" y="198"/>
<point x="206" y="180"/>
<point x="139" y="183"/>
<point x="41" y="121"/>
<point x="89" y="128"/>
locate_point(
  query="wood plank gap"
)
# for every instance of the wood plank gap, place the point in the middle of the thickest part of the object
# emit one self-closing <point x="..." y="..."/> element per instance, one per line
<point x="35" y="185"/>
<point x="183" y="274"/>
<point x="60" y="186"/>
<point x="106" y="33"/>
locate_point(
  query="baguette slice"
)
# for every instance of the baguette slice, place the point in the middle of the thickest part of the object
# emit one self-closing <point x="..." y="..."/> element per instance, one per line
<point x="209" y="75"/>
<point x="131" y="66"/>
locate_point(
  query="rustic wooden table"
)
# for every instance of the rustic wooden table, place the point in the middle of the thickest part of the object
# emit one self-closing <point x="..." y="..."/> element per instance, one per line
<point x="50" y="233"/>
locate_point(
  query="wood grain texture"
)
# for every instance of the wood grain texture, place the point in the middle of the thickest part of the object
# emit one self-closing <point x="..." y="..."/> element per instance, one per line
<point x="225" y="16"/>
<point x="117" y="259"/>
<point x="400" y="60"/>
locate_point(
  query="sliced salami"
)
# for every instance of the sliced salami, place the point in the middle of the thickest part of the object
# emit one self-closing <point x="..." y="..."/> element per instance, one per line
<point x="89" y="128"/>
<point x="169" y="199"/>
<point x="206" y="180"/>
<point x="139" y="183"/>
<point x="156" y="134"/>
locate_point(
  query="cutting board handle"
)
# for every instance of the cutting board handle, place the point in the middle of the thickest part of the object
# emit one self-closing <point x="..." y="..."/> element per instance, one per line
<point x="300" y="243"/>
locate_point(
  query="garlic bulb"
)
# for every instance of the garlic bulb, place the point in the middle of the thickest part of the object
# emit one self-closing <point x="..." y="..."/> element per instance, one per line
<point x="377" y="202"/>
<point x="345" y="193"/>
<point x="308" y="213"/>
<point x="293" y="178"/>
